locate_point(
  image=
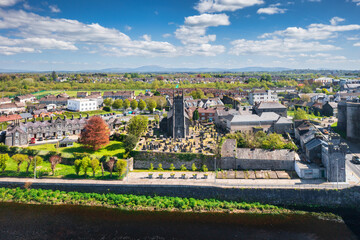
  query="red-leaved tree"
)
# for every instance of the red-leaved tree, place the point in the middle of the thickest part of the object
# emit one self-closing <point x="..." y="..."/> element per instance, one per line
<point x="95" y="134"/>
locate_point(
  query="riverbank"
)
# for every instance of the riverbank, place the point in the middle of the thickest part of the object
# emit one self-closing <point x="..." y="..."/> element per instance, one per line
<point x="131" y="202"/>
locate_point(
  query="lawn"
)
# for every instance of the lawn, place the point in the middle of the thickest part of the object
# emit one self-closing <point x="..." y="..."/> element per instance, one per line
<point x="309" y="116"/>
<point x="44" y="170"/>
<point x="73" y="93"/>
<point x="114" y="148"/>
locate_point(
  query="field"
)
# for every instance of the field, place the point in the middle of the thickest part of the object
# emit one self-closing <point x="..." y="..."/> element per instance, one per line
<point x="72" y="93"/>
<point x="114" y="148"/>
<point x="309" y="116"/>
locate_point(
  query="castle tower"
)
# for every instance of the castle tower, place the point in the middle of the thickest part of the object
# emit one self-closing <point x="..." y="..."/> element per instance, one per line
<point x="333" y="158"/>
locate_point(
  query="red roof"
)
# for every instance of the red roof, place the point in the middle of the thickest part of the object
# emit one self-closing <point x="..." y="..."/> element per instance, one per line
<point x="7" y="118"/>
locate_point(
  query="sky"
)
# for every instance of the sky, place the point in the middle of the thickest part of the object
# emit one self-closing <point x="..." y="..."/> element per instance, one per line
<point x="46" y="35"/>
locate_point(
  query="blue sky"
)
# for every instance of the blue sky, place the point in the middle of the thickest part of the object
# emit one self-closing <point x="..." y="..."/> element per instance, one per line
<point x="93" y="34"/>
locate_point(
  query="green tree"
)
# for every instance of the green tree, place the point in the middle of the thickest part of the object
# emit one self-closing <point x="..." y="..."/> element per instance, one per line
<point x="160" y="168"/>
<point x="142" y="105"/>
<point x="137" y="125"/>
<point x="157" y="119"/>
<point x="126" y="103"/>
<point x="197" y="94"/>
<point x="85" y="163"/>
<point x="108" y="102"/>
<point x="94" y="165"/>
<point x="130" y="142"/>
<point x="160" y="102"/>
<point x="4" y="158"/>
<point x="300" y="114"/>
<point x="121" y="166"/>
<point x="118" y="104"/>
<point x="196" y="115"/>
<point x="151" y="105"/>
<point x="183" y="168"/>
<point x="38" y="160"/>
<point x="54" y="75"/>
<point x="151" y="168"/>
<point x="134" y="104"/>
<point x="204" y="168"/>
<point x="77" y="166"/>
<point x="19" y="159"/>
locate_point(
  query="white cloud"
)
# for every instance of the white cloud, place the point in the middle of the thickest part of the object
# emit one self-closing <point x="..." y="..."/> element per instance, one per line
<point x="212" y="6"/>
<point x="336" y="20"/>
<point x="51" y="33"/>
<point x="193" y="34"/>
<point x="208" y="20"/>
<point x="313" y="31"/>
<point x="277" y="47"/>
<point x="146" y="37"/>
<point x="54" y="9"/>
<point x="357" y="44"/>
<point x="166" y="35"/>
<point x="128" y="28"/>
<point x="6" y="50"/>
<point x="272" y="9"/>
<point x="357" y="2"/>
<point x="8" y="3"/>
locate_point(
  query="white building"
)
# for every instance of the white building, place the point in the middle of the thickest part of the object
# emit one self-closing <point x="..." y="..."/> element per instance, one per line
<point x="257" y="96"/>
<point x="80" y="105"/>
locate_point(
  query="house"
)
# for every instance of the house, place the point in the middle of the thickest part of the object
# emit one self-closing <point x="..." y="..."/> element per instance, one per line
<point x="80" y="105"/>
<point x="9" y="118"/>
<point x="275" y="107"/>
<point x="25" y="98"/>
<point x="260" y="95"/>
<point x="9" y="108"/>
<point x="207" y="114"/>
<point x="59" y="100"/>
<point x="5" y="100"/>
<point x="283" y="125"/>
<point x="212" y="102"/>
<point x="330" y="109"/>
<point x="81" y="94"/>
<point x="119" y="95"/>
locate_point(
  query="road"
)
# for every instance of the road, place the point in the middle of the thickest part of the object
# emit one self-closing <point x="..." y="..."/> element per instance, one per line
<point x="354" y="149"/>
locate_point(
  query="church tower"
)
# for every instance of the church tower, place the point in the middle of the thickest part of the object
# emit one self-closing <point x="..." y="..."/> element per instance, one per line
<point x="178" y="126"/>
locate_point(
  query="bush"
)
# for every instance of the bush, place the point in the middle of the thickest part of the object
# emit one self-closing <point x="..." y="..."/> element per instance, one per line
<point x="172" y="168"/>
<point x="77" y="166"/>
<point x="121" y="167"/>
<point x="85" y="163"/>
<point x="107" y="109"/>
<point x="160" y="167"/>
<point x="193" y="167"/>
<point x="94" y="165"/>
<point x="3" y="160"/>
<point x="183" y="168"/>
<point x="130" y="142"/>
<point x="4" y="148"/>
<point x="19" y="159"/>
<point x="151" y="168"/>
<point x="204" y="168"/>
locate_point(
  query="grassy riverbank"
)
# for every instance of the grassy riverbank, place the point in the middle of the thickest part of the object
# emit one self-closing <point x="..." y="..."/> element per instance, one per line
<point x="135" y="202"/>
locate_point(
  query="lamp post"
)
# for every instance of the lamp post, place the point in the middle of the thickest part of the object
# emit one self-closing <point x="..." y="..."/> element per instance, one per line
<point x="35" y="167"/>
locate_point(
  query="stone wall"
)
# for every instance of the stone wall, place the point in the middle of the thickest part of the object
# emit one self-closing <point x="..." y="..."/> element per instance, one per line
<point x="142" y="160"/>
<point x="349" y="197"/>
<point x="256" y="164"/>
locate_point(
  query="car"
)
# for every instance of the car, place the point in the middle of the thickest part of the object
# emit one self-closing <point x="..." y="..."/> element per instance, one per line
<point x="32" y="141"/>
<point x="40" y="139"/>
<point x="356" y="159"/>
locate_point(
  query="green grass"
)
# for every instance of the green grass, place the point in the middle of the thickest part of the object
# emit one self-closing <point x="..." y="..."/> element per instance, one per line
<point x="309" y="116"/>
<point x="61" y="171"/>
<point x="114" y="148"/>
<point x="91" y="113"/>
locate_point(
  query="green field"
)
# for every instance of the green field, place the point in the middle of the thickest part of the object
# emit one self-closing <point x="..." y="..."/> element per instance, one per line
<point x="114" y="148"/>
<point x="72" y="93"/>
<point x="309" y="116"/>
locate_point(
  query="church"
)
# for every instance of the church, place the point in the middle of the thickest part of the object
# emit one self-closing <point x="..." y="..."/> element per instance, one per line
<point x="177" y="122"/>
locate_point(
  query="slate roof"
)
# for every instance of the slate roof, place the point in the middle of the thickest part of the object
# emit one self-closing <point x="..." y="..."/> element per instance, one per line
<point x="228" y="149"/>
<point x="263" y="154"/>
<point x="270" y="105"/>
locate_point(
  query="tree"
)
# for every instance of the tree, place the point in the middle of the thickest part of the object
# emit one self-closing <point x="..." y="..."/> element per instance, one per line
<point x="160" y="168"/>
<point x="266" y="77"/>
<point x="54" y="75"/>
<point x="172" y="167"/>
<point x="110" y="163"/>
<point x="108" y="102"/>
<point x="126" y="103"/>
<point x="197" y="94"/>
<point x="96" y="133"/>
<point x="307" y="89"/>
<point x="3" y="161"/>
<point x="107" y="109"/>
<point x="77" y="166"/>
<point x="137" y="125"/>
<point x="39" y="160"/>
<point x="19" y="159"/>
<point x="32" y="153"/>
<point x="183" y="168"/>
<point x="118" y="104"/>
<point x="204" y="168"/>
<point x="157" y="119"/>
<point x="121" y="167"/>
<point x="94" y="165"/>
<point x="54" y="160"/>
<point x="151" y="105"/>
<point x="196" y="115"/>
<point x="85" y="163"/>
<point x="142" y="105"/>
<point x="300" y="114"/>
<point x="151" y="168"/>
<point x="160" y="102"/>
<point x="130" y="142"/>
<point x="305" y="98"/>
<point x="134" y="104"/>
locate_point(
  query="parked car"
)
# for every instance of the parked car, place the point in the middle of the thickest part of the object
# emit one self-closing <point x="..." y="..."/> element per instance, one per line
<point x="356" y="159"/>
<point x="40" y="139"/>
<point x="32" y="141"/>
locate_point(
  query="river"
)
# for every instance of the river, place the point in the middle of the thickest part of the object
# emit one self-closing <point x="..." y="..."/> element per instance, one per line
<point x="22" y="221"/>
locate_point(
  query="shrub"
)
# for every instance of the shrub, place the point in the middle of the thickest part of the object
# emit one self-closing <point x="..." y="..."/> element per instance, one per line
<point x="193" y="167"/>
<point x="14" y="150"/>
<point x="107" y="109"/>
<point x="39" y="160"/>
<point x="121" y="167"/>
<point x="204" y="168"/>
<point x="172" y="168"/>
<point x="85" y="163"/>
<point x="130" y="142"/>
<point x="160" y="167"/>
<point x="3" y="159"/>
<point x="151" y="168"/>
<point x="183" y="168"/>
<point x="19" y="159"/>
<point x="4" y="148"/>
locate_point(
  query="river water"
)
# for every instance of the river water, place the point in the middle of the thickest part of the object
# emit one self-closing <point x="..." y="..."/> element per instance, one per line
<point x="22" y="221"/>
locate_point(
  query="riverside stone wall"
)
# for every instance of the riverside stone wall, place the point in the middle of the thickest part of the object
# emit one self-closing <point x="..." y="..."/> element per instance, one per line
<point x="348" y="197"/>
